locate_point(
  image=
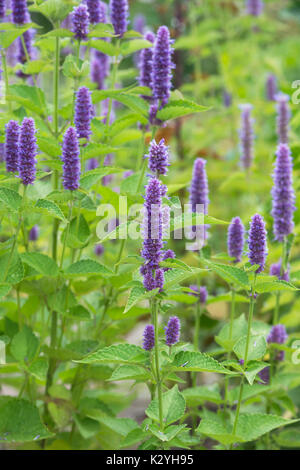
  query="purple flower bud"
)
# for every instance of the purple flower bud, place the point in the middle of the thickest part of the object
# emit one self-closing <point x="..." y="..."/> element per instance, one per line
<point x="139" y="23"/>
<point x="264" y="374"/>
<point x="199" y="186"/>
<point x="27" y="151"/>
<point x="20" y="13"/>
<point x="271" y="87"/>
<point x="12" y="131"/>
<point x="158" y="157"/>
<point x="227" y="99"/>
<point x="71" y="160"/>
<point x="254" y="7"/>
<point x="235" y="239"/>
<point x="92" y="164"/>
<point x="162" y="66"/>
<point x="83" y="113"/>
<point x="283" y="205"/>
<point x="2" y="8"/>
<point x="99" y="249"/>
<point x="80" y="21"/>
<point x="241" y="362"/>
<point x="200" y="292"/>
<point x="275" y="270"/>
<point x="34" y="233"/>
<point x="127" y="173"/>
<point x="94" y="9"/>
<point x="167" y="255"/>
<point x="149" y="338"/>
<point x="173" y="331"/>
<point x="283" y="118"/>
<point x="257" y="242"/>
<point x="119" y="16"/>
<point x="146" y="64"/>
<point x="246" y="136"/>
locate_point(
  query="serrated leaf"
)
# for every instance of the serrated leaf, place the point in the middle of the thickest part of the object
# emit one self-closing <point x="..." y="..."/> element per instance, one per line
<point x="50" y="208"/>
<point x="20" y="421"/>
<point x="137" y="294"/>
<point x="104" y="46"/>
<point x="197" y="362"/>
<point x="196" y="396"/>
<point x="87" y="267"/>
<point x="167" y="434"/>
<point x="15" y="272"/>
<point x="178" y="108"/>
<point x="41" y="263"/>
<point x="257" y="347"/>
<point x="230" y="274"/>
<point x="239" y="327"/>
<point x="173" y="404"/>
<point x="120" y="354"/>
<point x="129" y="47"/>
<point x="10" y="198"/>
<point x="273" y="286"/>
<point x="24" y="345"/>
<point x="130" y="372"/>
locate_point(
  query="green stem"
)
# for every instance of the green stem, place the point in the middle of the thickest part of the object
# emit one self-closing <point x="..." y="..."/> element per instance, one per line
<point x="67" y="231"/>
<point x="4" y="63"/>
<point x="232" y="315"/>
<point x="154" y="310"/>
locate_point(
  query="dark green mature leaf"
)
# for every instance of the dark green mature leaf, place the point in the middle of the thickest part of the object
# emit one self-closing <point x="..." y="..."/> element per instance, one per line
<point x="87" y="267"/>
<point x="239" y="328"/>
<point x="257" y="347"/>
<point x="41" y="263"/>
<point x="178" y="108"/>
<point x="24" y="345"/>
<point x="20" y="421"/>
<point x="10" y="198"/>
<point x="119" y="354"/>
<point x="50" y="208"/>
<point x="197" y="362"/>
<point x="173" y="406"/>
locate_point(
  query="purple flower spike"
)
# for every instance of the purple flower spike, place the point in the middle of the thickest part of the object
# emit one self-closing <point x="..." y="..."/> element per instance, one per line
<point x="92" y="164"/>
<point x="20" y="13"/>
<point x="34" y="233"/>
<point x="159" y="157"/>
<point x="168" y="254"/>
<point x="80" y="21"/>
<point x="283" y="118"/>
<point x="2" y="8"/>
<point x="246" y="136"/>
<point x="146" y="64"/>
<point x="99" y="249"/>
<point x="12" y="131"/>
<point x="275" y="270"/>
<point x="257" y="242"/>
<point x="162" y="66"/>
<point x="235" y="239"/>
<point x="254" y="7"/>
<point x="149" y="338"/>
<point x="264" y="374"/>
<point x="173" y="331"/>
<point x="71" y="160"/>
<point x="119" y="16"/>
<point x="94" y="9"/>
<point x="283" y="195"/>
<point x="278" y="335"/>
<point x="83" y="113"/>
<point x="200" y="292"/>
<point x="227" y="99"/>
<point x="27" y="151"/>
<point x="199" y="186"/>
<point x="271" y="87"/>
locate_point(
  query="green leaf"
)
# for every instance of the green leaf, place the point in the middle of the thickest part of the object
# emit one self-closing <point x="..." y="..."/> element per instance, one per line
<point x="253" y="368"/>
<point x="10" y="198"/>
<point x="175" y="109"/>
<point x="24" y="345"/>
<point x="239" y="327"/>
<point x="92" y="177"/>
<point x="129" y="47"/>
<point x="104" y="46"/>
<point x="257" y="347"/>
<point x="55" y="10"/>
<point x="41" y="263"/>
<point x="137" y="294"/>
<point x="175" y="276"/>
<point x="119" y="354"/>
<point x="4" y="289"/>
<point x="8" y="36"/>
<point x="87" y="267"/>
<point x="196" y="396"/>
<point x="273" y="286"/>
<point x="173" y="405"/>
<point x="50" y="208"/>
<point x="130" y="372"/>
<point x="79" y="233"/>
<point x="288" y="438"/>
<point x="230" y="274"/>
<point x="197" y="362"/>
<point x="39" y="368"/>
<point x="168" y="433"/>
<point x="20" y="421"/>
<point x="15" y="272"/>
<point x="32" y="98"/>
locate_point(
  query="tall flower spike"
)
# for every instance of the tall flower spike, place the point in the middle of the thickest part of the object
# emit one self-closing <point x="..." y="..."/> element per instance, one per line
<point x="20" y="13"/>
<point x="271" y="87"/>
<point x="83" y="113"/>
<point x="254" y="7"/>
<point x="146" y="64"/>
<point x="257" y="242"/>
<point x="283" y="205"/>
<point x="71" y="160"/>
<point x="27" y="151"/>
<point x="162" y="66"/>
<point x="80" y="22"/>
<point x="275" y="270"/>
<point x="2" y="8"/>
<point x="149" y="338"/>
<point x="12" y="131"/>
<point x="173" y="331"/>
<point x="94" y="9"/>
<point x="159" y="157"/>
<point x="235" y="239"/>
<point x="246" y="136"/>
<point x="283" y="118"/>
<point x="119" y="16"/>
<point x="199" y="189"/>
